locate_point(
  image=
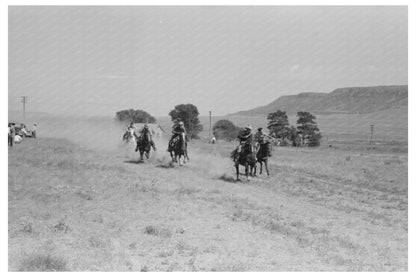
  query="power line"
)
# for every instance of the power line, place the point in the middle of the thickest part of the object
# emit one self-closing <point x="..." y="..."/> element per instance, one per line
<point x="371" y="133"/>
<point x="209" y="133"/>
<point x="24" y="101"/>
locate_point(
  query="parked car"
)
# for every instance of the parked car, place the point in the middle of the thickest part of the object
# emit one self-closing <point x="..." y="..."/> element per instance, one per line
<point x="22" y="130"/>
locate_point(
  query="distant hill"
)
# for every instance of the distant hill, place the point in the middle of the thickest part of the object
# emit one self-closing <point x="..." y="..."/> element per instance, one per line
<point x="354" y="100"/>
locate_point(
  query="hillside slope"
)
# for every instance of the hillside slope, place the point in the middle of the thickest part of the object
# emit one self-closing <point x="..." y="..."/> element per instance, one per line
<point x="354" y="100"/>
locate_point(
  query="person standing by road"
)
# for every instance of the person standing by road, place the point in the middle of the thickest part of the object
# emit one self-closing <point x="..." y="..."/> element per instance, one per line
<point x="12" y="133"/>
<point x="34" y="130"/>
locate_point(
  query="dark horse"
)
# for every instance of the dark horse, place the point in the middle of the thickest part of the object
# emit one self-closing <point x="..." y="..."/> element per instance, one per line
<point x="263" y="156"/>
<point x="144" y="144"/>
<point x="178" y="149"/>
<point x="246" y="158"/>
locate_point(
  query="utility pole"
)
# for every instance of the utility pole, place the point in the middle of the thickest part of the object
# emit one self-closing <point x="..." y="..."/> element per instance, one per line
<point x="24" y="101"/>
<point x="209" y="134"/>
<point x="371" y="133"/>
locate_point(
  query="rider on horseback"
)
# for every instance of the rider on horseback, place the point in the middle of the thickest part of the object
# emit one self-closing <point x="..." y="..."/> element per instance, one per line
<point x="261" y="138"/>
<point x="130" y="127"/>
<point x="178" y="129"/>
<point x="130" y="130"/>
<point x="246" y="138"/>
<point x="146" y="131"/>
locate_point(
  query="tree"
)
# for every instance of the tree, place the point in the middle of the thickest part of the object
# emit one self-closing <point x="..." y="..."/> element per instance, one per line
<point x="308" y="128"/>
<point x="225" y="129"/>
<point x="188" y="113"/>
<point x="278" y="124"/>
<point x="136" y="116"/>
<point x="293" y="135"/>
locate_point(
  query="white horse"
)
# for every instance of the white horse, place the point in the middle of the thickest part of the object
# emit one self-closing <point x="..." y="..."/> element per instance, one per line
<point x="129" y="135"/>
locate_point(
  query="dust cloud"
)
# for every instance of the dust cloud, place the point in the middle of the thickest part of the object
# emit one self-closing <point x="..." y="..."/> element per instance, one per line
<point x="104" y="134"/>
<point x="96" y="133"/>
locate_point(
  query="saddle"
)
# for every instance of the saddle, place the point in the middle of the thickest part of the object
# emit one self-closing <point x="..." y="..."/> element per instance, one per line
<point x="174" y="140"/>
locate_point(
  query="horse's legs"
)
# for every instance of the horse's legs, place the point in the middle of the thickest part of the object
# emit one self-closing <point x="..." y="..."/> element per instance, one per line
<point x="246" y="169"/>
<point x="267" y="169"/>
<point x="237" y="170"/>
<point x="179" y="160"/>
<point x="254" y="166"/>
<point x="261" y="166"/>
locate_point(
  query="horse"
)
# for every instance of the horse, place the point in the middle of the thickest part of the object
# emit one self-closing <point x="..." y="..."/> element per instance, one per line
<point x="129" y="135"/>
<point x="143" y="144"/>
<point x="177" y="150"/>
<point x="246" y="158"/>
<point x="263" y="156"/>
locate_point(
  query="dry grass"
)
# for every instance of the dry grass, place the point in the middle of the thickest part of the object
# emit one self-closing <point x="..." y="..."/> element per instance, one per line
<point x="158" y="231"/>
<point x="322" y="209"/>
<point x="43" y="262"/>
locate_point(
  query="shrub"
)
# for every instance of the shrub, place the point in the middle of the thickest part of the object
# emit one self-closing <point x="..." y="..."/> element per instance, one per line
<point x="226" y="130"/>
<point x="156" y="231"/>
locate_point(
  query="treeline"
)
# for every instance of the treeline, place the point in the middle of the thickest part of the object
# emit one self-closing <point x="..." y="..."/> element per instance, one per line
<point x="188" y="113"/>
<point x="305" y="133"/>
<point x="135" y="116"/>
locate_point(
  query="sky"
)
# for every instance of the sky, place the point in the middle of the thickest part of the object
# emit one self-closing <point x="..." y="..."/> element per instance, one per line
<point x="85" y="60"/>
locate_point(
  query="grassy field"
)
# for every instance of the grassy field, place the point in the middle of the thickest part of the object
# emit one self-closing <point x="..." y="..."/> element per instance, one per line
<point x="77" y="208"/>
<point x="390" y="126"/>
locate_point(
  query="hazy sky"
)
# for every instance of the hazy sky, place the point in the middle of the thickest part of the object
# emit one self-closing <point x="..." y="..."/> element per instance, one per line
<point x="98" y="60"/>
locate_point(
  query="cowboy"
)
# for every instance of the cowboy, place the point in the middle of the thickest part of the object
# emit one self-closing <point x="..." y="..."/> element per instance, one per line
<point x="143" y="132"/>
<point x="246" y="138"/>
<point x="261" y="138"/>
<point x="178" y="129"/>
<point x="130" y="130"/>
<point x="130" y="127"/>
